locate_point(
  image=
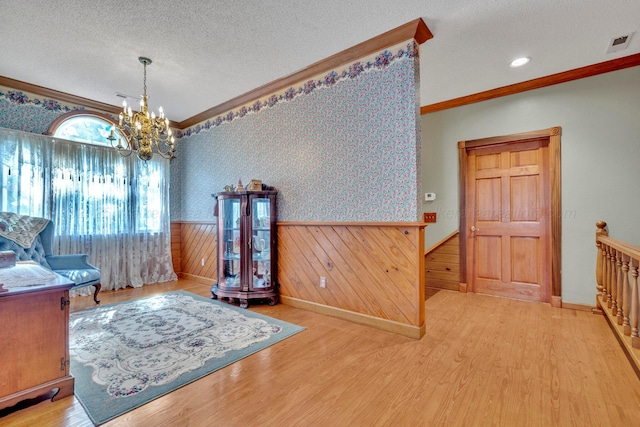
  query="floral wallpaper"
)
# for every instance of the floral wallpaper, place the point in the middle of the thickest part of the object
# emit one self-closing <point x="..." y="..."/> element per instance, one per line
<point x="343" y="147"/>
<point x="380" y="61"/>
<point x="26" y="112"/>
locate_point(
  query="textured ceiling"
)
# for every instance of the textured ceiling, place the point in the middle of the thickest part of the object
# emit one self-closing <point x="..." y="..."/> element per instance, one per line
<point x="207" y="52"/>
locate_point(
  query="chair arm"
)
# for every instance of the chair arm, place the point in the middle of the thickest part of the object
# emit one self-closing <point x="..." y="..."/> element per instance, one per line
<point x="69" y="262"/>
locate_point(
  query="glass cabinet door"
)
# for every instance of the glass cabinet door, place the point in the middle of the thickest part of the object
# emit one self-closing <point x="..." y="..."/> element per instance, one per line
<point x="261" y="243"/>
<point x="247" y="247"/>
<point x="230" y="245"/>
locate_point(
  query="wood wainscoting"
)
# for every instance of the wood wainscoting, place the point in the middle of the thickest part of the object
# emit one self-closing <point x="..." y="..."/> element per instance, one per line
<point x="442" y="264"/>
<point x="374" y="272"/>
<point x="194" y="250"/>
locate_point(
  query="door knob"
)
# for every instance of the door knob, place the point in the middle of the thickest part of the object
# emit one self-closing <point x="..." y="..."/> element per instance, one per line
<point x="473" y="228"/>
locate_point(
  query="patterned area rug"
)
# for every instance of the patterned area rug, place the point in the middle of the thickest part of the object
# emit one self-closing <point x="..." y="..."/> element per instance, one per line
<point x="127" y="354"/>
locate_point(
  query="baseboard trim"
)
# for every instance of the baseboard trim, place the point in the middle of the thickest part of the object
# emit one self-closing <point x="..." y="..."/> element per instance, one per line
<point x="556" y="301"/>
<point x="579" y="307"/>
<point x="199" y="279"/>
<point x="462" y="287"/>
<point x="410" y="331"/>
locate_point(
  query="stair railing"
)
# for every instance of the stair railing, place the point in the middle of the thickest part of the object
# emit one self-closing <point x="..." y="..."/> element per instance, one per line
<point x="617" y="268"/>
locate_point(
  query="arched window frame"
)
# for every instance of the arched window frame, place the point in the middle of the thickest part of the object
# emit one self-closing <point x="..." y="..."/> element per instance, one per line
<point x="64" y="118"/>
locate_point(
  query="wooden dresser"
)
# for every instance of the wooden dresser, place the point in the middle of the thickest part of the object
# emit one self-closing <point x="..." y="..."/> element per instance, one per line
<point x="34" y="342"/>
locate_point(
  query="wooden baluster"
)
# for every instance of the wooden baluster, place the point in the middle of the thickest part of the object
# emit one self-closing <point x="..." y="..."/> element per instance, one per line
<point x="635" y="338"/>
<point x="614" y="280"/>
<point x="620" y="288"/>
<point x="612" y="277"/>
<point x="626" y="297"/>
<point x="616" y="306"/>
<point x="600" y="231"/>
<point x="605" y="273"/>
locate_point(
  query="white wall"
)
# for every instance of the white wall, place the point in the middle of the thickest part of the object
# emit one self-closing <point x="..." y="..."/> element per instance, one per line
<point x="600" y="148"/>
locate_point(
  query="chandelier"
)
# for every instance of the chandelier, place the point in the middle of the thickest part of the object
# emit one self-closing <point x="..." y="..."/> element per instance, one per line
<point x="143" y="132"/>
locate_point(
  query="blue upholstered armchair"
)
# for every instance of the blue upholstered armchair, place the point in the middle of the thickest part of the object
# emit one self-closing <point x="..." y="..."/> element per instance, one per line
<point x="74" y="267"/>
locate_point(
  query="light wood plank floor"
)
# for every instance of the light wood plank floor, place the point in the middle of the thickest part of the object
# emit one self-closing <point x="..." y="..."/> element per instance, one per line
<point x="483" y="361"/>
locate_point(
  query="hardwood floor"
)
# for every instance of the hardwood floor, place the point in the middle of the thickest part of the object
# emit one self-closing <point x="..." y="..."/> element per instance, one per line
<point x="483" y="361"/>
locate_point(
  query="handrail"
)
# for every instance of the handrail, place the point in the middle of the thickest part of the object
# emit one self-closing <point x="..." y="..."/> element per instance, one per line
<point x="617" y="271"/>
<point x="629" y="249"/>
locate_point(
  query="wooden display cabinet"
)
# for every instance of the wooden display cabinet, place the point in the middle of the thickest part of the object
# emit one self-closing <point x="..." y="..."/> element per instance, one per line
<point x="247" y="247"/>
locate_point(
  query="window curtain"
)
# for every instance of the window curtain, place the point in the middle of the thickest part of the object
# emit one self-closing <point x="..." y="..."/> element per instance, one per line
<point x="113" y="208"/>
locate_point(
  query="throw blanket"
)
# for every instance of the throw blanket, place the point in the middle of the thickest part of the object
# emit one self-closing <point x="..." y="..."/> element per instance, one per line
<point x="21" y="229"/>
<point x="26" y="274"/>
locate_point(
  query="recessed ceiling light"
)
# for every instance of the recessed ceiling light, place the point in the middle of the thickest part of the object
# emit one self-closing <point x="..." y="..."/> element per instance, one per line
<point x="519" y="62"/>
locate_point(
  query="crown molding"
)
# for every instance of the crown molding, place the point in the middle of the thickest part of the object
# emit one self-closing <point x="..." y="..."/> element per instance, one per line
<point x="64" y="97"/>
<point x="553" y="79"/>
<point x="58" y="96"/>
<point x="415" y="29"/>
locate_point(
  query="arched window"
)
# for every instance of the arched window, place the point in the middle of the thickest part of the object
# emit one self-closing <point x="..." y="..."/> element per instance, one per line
<point x="84" y="126"/>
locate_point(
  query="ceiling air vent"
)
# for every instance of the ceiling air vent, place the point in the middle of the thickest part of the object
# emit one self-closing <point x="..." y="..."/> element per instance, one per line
<point x="124" y="96"/>
<point x="619" y="43"/>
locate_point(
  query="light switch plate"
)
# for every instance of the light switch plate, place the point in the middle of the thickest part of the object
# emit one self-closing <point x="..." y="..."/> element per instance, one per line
<point x="429" y="216"/>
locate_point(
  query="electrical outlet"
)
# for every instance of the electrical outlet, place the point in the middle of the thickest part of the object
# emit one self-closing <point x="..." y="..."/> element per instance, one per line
<point x="203" y="262"/>
<point x="323" y="282"/>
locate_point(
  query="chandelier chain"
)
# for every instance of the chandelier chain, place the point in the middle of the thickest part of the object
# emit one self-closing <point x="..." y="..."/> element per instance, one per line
<point x="145" y="78"/>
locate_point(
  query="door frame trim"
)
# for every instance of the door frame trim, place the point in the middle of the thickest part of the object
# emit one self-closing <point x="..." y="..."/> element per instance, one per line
<point x="553" y="134"/>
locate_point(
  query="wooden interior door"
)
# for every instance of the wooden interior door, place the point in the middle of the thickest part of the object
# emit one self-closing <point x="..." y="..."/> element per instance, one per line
<point x="508" y="219"/>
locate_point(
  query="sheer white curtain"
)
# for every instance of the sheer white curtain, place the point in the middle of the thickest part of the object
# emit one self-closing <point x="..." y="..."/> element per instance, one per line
<point x="113" y="208"/>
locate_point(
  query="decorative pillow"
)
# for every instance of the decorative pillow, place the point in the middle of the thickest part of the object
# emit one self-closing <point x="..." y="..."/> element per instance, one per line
<point x="33" y="253"/>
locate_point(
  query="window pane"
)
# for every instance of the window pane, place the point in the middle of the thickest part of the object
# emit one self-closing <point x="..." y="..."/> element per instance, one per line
<point x="87" y="129"/>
